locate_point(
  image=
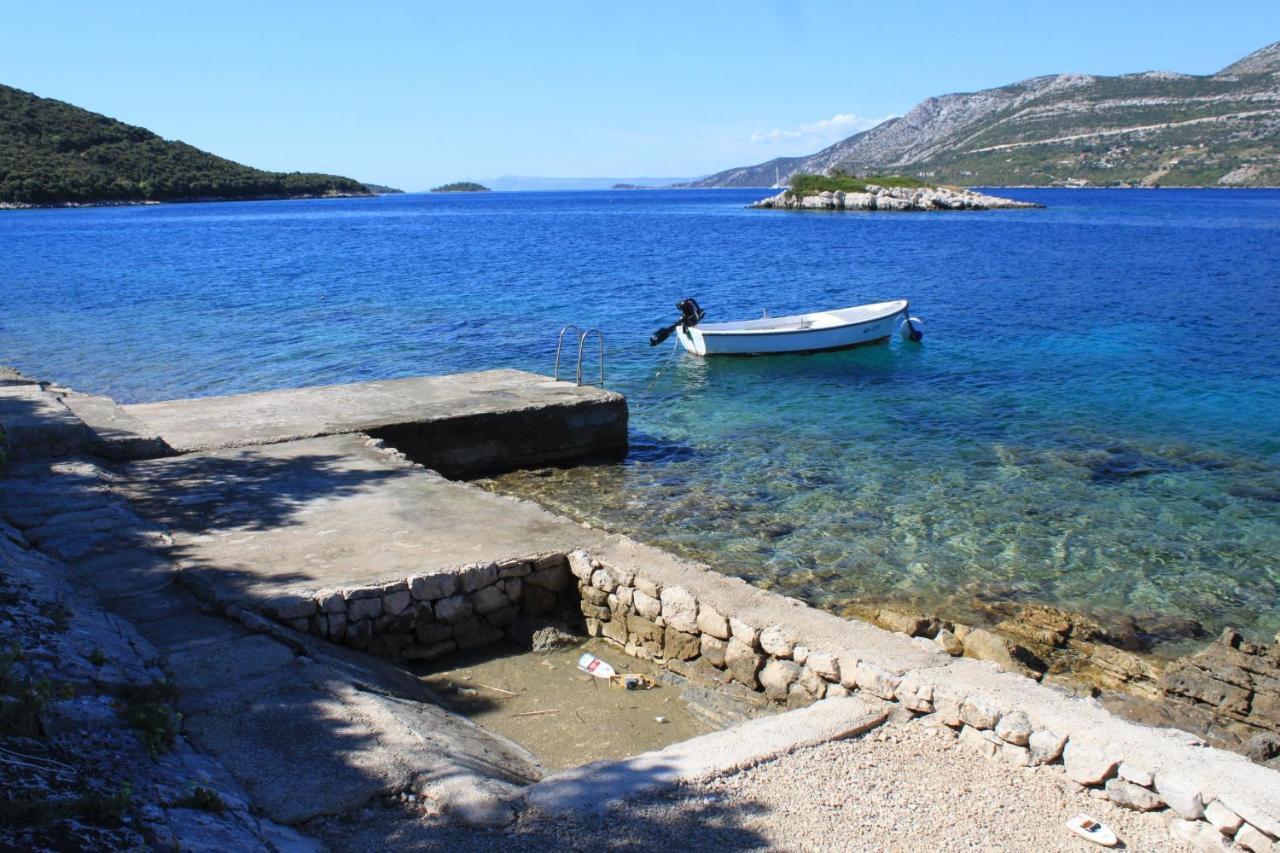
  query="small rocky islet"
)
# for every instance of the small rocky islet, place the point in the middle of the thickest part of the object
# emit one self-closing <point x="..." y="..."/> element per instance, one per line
<point x="875" y="198"/>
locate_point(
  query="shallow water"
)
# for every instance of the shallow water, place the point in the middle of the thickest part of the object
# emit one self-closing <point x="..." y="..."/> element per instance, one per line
<point x="1093" y="420"/>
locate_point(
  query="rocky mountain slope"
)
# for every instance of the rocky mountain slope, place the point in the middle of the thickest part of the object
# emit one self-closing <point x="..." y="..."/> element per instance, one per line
<point x="54" y="153"/>
<point x="1151" y="128"/>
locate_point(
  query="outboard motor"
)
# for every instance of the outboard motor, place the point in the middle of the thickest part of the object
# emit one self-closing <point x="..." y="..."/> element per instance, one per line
<point x="690" y="315"/>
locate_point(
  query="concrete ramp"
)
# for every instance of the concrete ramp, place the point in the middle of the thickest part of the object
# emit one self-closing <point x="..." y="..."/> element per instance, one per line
<point x="459" y="424"/>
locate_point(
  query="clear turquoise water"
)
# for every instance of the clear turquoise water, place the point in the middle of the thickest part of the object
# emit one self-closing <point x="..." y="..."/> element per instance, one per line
<point x="1092" y="422"/>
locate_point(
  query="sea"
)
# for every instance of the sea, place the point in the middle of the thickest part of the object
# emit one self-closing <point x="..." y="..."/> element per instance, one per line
<point x="1092" y="421"/>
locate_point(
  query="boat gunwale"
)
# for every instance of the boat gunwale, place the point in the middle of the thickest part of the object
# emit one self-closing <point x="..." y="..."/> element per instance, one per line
<point x="712" y="332"/>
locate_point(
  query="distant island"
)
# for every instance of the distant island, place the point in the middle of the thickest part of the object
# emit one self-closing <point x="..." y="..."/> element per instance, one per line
<point x="379" y="189"/>
<point x="1153" y="128"/>
<point x="842" y="191"/>
<point x="55" y="154"/>
<point x="461" y="187"/>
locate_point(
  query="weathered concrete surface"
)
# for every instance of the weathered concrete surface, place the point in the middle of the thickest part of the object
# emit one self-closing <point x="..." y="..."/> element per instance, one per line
<point x="305" y="727"/>
<point x="37" y="422"/>
<point x="457" y="424"/>
<point x="252" y="523"/>
<point x="115" y="434"/>
<point x="593" y="787"/>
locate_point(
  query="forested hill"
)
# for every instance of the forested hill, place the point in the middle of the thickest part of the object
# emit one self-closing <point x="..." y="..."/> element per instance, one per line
<point x="1148" y="129"/>
<point x="55" y="153"/>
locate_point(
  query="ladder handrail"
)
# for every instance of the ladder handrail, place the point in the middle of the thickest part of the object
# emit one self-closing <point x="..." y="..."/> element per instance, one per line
<point x="582" y="342"/>
<point x="555" y="374"/>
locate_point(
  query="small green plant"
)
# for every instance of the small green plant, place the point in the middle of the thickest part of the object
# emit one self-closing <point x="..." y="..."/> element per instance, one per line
<point x="149" y="710"/>
<point x="805" y="184"/>
<point x="22" y="698"/>
<point x="204" y="799"/>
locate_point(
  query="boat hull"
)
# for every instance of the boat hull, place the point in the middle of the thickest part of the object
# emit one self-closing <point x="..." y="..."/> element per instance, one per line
<point x="708" y="343"/>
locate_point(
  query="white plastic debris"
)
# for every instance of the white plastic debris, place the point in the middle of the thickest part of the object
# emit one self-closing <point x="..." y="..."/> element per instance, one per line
<point x="592" y="665"/>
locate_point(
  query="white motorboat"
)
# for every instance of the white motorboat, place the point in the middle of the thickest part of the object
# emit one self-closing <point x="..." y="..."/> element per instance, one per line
<point x="840" y="328"/>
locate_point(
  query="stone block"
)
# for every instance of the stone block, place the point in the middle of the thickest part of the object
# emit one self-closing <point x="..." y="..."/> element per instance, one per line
<point x="1251" y="839"/>
<point x="812" y="683"/>
<point x="681" y="646"/>
<point x="1014" y="728"/>
<point x="837" y="691"/>
<point x="983" y="742"/>
<point x="594" y="626"/>
<point x="711" y="622"/>
<point x="648" y="587"/>
<point x="595" y="596"/>
<point x="359" y="633"/>
<point x="798" y="697"/>
<point x="553" y="578"/>
<point x="979" y="712"/>
<point x="800" y="653"/>
<point x="433" y="634"/>
<point x="393" y="587"/>
<point x="512" y="588"/>
<point x="580" y="565"/>
<point x="713" y="649"/>
<point x="743" y="663"/>
<point x="680" y="609"/>
<point x="363" y="608"/>
<point x="849" y="671"/>
<point x="488" y="599"/>
<point x="1087" y="764"/>
<point x="337" y="627"/>
<point x="1223" y="819"/>
<point x="514" y="568"/>
<point x="777" y="677"/>
<point x="911" y="624"/>
<point x="948" y="710"/>
<point x="537" y="600"/>
<point x="596" y="611"/>
<point x="1183" y="797"/>
<point x="614" y="629"/>
<point x="778" y="641"/>
<point x="646" y="605"/>
<point x="550" y="561"/>
<point x="948" y="642"/>
<point x="1019" y="756"/>
<point x="914" y="694"/>
<point x="1131" y="796"/>
<point x="290" y="606"/>
<point x="332" y="602"/>
<point x="433" y="587"/>
<point x="644" y="629"/>
<point x="825" y="664"/>
<point x="875" y="680"/>
<point x="744" y="633"/>
<point x="604" y="579"/>
<point x="1137" y="775"/>
<point x="478" y="576"/>
<point x="625" y="596"/>
<point x="503" y="616"/>
<point x="1046" y="746"/>
<point x="388" y="645"/>
<point x="395" y="603"/>
<point x="454" y="609"/>
<point x="399" y="623"/>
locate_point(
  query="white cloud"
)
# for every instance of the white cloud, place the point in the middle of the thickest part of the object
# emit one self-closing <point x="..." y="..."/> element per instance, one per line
<point x="817" y="134"/>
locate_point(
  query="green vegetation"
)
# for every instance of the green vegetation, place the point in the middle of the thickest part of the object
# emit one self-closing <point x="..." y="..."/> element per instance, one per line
<point x="804" y="184"/>
<point x="380" y="189"/>
<point x="203" y="799"/>
<point x="461" y="187"/>
<point x="55" y="153"/>
<point x="95" y="808"/>
<point x="149" y="711"/>
<point x="22" y="699"/>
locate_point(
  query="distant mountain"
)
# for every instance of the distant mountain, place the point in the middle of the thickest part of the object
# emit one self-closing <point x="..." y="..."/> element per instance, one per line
<point x="54" y="153"/>
<point x="521" y="183"/>
<point x="1152" y="128"/>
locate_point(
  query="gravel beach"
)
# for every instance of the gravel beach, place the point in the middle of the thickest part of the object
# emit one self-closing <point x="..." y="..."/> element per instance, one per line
<point x="906" y="786"/>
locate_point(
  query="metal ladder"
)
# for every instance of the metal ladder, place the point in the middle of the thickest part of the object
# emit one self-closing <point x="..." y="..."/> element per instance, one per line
<point x="582" y="343"/>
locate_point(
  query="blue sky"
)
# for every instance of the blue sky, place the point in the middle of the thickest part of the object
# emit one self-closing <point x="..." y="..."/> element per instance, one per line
<point x="413" y="94"/>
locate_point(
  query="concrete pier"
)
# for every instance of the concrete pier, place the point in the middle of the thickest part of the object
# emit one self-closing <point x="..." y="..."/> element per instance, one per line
<point x="459" y="424"/>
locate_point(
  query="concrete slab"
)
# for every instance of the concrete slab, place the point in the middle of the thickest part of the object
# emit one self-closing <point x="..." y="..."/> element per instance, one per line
<point x="460" y="423"/>
<point x="252" y="523"/>
<point x="591" y="788"/>
<point x="116" y="434"/>
<point x="38" y="424"/>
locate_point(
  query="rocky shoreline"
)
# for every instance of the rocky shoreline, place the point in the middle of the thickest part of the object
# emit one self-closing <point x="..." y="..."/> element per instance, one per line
<point x="21" y="205"/>
<point x="894" y="199"/>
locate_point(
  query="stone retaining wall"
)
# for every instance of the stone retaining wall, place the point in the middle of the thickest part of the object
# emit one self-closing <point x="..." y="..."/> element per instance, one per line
<point x="669" y="624"/>
<point x="431" y="615"/>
